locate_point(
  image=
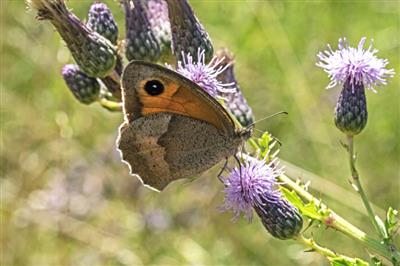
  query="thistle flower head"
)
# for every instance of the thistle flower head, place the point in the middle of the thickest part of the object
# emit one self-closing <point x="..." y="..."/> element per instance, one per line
<point x="101" y="20"/>
<point x="252" y="186"/>
<point x="355" y="65"/>
<point x="204" y="75"/>
<point x="245" y="186"/>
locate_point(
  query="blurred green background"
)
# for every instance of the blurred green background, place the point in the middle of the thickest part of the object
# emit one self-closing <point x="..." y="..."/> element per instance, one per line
<point x="66" y="199"/>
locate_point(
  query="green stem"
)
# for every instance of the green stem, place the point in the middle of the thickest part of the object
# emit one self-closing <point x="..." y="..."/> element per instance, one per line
<point x="110" y="105"/>
<point x="314" y="246"/>
<point x="358" y="187"/>
<point x="115" y="76"/>
<point x="329" y="254"/>
<point x="253" y="144"/>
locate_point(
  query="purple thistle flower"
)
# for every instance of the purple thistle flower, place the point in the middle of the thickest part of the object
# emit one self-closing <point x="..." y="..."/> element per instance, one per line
<point x="205" y="75"/>
<point x="252" y="186"/>
<point x="101" y="20"/>
<point x="354" y="69"/>
<point x="246" y="185"/>
<point x="354" y="65"/>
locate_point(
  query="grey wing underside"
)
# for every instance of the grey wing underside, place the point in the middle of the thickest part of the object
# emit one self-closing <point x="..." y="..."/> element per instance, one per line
<point x="163" y="147"/>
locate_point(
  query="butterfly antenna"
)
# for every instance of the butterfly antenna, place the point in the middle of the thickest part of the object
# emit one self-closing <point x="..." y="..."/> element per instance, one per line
<point x="270" y="116"/>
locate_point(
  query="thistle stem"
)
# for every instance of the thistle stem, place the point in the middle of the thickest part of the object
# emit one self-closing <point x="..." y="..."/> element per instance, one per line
<point x="309" y="242"/>
<point x="329" y="254"/>
<point x="115" y="76"/>
<point x="357" y="184"/>
<point x="110" y="105"/>
<point x="253" y="143"/>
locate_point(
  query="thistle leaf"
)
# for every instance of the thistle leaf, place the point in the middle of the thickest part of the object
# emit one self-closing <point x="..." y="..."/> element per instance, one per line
<point x="381" y="226"/>
<point x="391" y="222"/>
<point x="311" y="210"/>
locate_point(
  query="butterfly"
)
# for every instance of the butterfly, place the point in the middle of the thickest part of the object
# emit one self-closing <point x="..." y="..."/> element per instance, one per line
<point x="172" y="128"/>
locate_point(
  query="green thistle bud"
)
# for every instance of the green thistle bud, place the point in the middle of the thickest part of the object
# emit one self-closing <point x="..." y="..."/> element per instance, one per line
<point x="101" y="20"/>
<point x="279" y="217"/>
<point x="94" y="54"/>
<point x="140" y="42"/>
<point x="85" y="89"/>
<point x="351" y="109"/>
<point x="188" y="35"/>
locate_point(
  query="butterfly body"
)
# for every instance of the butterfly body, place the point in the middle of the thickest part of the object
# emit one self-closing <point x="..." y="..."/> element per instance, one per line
<point x="173" y="129"/>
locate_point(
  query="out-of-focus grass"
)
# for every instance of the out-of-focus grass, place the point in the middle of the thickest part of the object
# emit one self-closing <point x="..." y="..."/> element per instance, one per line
<point x="67" y="199"/>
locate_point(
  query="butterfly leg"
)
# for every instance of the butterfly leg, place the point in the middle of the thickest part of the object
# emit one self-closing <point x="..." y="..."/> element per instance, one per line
<point x="222" y="170"/>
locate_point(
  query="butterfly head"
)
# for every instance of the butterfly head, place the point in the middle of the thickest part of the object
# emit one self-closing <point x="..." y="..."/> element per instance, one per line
<point x="246" y="132"/>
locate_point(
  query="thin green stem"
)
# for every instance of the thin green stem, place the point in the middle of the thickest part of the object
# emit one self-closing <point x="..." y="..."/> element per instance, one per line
<point x="358" y="186"/>
<point x="329" y="254"/>
<point x="253" y="143"/>
<point x="115" y="76"/>
<point x="309" y="242"/>
<point x="110" y="105"/>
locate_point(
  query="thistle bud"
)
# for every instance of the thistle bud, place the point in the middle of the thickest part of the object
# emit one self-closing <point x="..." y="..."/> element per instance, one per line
<point x="157" y="13"/>
<point x="279" y="217"/>
<point x="94" y="54"/>
<point x="351" y="109"/>
<point x="101" y="20"/>
<point x="234" y="101"/>
<point x="85" y="89"/>
<point x="188" y="35"/>
<point x="140" y="42"/>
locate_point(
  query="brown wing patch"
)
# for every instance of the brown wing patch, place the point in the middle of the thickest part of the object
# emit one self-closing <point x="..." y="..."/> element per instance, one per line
<point x="193" y="146"/>
<point x="138" y="145"/>
<point x="180" y="96"/>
